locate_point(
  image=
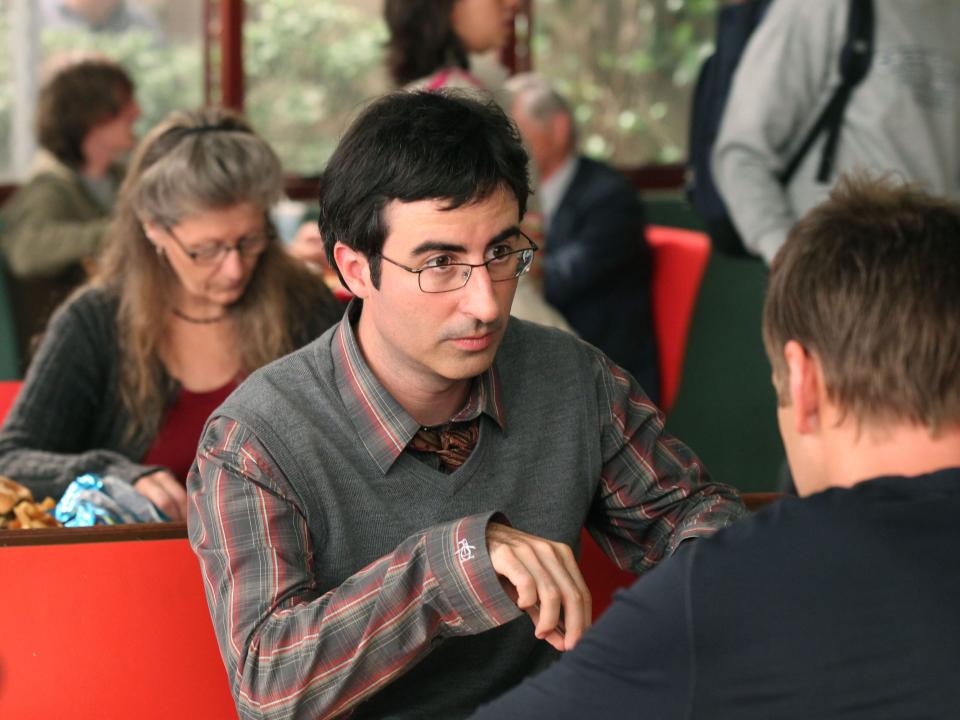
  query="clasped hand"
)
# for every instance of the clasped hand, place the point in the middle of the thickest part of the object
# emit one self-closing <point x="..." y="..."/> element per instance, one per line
<point x="543" y="578"/>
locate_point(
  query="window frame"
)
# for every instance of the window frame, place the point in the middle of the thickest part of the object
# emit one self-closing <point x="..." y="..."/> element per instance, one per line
<point x="223" y="81"/>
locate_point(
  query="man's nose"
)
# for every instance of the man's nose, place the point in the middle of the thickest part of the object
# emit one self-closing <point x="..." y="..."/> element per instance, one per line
<point x="480" y="300"/>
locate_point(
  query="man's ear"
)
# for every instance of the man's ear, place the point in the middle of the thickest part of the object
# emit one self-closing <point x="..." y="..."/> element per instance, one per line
<point x="355" y="268"/>
<point x="805" y="387"/>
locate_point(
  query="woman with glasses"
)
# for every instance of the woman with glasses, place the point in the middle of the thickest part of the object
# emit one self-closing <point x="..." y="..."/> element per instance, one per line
<point x="192" y="293"/>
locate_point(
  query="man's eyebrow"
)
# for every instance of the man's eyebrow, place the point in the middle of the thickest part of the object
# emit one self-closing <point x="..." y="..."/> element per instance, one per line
<point x="504" y="234"/>
<point x="445" y="246"/>
<point x="437" y="245"/>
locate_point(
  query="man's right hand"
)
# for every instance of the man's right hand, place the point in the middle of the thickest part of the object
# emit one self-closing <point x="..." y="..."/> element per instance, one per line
<point x="543" y="578"/>
<point x="165" y="491"/>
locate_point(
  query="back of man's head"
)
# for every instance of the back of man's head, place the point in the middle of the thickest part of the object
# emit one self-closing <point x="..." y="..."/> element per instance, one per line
<point x="411" y="146"/>
<point x="869" y="283"/>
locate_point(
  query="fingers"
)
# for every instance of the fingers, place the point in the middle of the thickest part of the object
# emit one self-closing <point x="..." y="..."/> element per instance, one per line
<point x="163" y="490"/>
<point x="547" y="581"/>
<point x="555" y="637"/>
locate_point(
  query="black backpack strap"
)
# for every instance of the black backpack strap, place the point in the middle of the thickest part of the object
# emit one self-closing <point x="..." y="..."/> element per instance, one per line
<point x="855" y="59"/>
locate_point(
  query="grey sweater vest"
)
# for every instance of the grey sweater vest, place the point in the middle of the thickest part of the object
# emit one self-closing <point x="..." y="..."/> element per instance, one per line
<point x="541" y="471"/>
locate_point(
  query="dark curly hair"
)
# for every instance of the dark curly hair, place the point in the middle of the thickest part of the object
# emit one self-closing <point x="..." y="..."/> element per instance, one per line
<point x="422" y="39"/>
<point x="77" y="99"/>
<point x="411" y="146"/>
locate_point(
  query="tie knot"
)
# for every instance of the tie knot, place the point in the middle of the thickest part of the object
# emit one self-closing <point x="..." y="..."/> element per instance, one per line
<point x="451" y="444"/>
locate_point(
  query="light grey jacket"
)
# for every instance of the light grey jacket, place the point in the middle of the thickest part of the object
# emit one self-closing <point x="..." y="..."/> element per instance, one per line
<point x="903" y="117"/>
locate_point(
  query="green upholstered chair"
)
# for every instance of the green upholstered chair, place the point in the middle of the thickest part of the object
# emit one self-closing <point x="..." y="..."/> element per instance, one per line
<point x="725" y="407"/>
<point x="9" y="345"/>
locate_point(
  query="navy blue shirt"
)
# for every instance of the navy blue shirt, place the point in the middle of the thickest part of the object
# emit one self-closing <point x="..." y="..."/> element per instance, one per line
<point x="842" y="605"/>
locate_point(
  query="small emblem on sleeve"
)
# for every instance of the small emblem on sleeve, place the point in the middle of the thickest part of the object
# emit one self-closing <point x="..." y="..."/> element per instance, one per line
<point x="465" y="550"/>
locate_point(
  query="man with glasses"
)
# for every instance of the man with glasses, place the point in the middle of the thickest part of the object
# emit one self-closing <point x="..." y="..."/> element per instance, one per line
<point x="376" y="513"/>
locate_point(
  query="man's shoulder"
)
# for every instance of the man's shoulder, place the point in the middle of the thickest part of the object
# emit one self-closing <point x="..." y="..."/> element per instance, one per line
<point x="596" y="183"/>
<point x="530" y="346"/>
<point x="302" y="379"/>
<point x="524" y="337"/>
<point x="835" y="526"/>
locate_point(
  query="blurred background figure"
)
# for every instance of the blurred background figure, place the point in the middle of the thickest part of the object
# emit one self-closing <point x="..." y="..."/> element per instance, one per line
<point x="596" y="263"/>
<point x="106" y="16"/>
<point x="84" y="124"/>
<point x="431" y="40"/>
<point x="192" y="293"/>
<point x="903" y="116"/>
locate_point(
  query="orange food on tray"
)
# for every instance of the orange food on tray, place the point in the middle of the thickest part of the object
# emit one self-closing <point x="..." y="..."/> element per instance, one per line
<point x="18" y="511"/>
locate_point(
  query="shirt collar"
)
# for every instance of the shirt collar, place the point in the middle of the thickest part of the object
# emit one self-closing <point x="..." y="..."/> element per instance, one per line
<point x="383" y="426"/>
<point x="555" y="187"/>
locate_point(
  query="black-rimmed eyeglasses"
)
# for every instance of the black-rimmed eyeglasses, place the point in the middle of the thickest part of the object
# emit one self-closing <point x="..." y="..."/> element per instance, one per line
<point x="436" y="277"/>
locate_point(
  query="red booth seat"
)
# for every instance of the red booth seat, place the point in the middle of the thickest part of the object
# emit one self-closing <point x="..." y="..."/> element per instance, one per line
<point x="8" y="393"/>
<point x="108" y="630"/>
<point x="679" y="260"/>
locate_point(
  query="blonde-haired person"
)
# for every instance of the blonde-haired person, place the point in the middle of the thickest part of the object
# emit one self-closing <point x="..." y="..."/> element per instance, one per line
<point x="193" y="292"/>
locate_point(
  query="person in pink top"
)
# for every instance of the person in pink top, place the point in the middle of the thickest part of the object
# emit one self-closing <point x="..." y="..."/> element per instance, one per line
<point x="431" y="40"/>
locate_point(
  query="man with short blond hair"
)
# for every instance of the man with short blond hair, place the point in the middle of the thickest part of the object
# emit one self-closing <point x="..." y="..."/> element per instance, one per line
<point x="842" y="604"/>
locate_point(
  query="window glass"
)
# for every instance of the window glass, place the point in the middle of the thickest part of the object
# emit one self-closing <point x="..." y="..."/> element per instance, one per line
<point x="628" y="67"/>
<point x="310" y="65"/>
<point x="159" y="42"/>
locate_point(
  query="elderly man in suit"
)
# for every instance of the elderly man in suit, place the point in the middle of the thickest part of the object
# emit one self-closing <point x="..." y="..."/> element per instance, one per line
<point x="596" y="269"/>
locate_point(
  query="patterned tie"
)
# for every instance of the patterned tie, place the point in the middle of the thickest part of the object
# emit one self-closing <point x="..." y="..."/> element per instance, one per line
<point x="452" y="445"/>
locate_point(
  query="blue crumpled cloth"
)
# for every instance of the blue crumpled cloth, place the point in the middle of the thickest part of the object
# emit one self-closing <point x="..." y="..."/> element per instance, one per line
<point x="94" y="500"/>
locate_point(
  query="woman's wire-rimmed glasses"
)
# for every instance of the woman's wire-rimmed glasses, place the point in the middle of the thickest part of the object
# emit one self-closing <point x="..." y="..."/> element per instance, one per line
<point x="455" y="275"/>
<point x="215" y="253"/>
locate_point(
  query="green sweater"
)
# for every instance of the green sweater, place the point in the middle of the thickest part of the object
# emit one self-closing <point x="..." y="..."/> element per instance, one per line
<point x="52" y="222"/>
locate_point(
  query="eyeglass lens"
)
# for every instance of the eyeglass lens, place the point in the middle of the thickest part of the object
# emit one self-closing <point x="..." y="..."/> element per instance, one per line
<point x="455" y="275"/>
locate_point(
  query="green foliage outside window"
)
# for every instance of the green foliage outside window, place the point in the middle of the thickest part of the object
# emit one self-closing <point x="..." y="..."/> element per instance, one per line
<point x="628" y="68"/>
<point x="310" y="67"/>
<point x="167" y="76"/>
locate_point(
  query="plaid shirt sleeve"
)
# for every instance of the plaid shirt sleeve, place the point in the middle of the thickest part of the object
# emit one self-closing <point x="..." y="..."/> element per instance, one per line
<point x="296" y="650"/>
<point x="654" y="492"/>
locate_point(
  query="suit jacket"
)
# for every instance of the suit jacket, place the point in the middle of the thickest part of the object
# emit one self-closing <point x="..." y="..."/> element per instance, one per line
<point x="596" y="269"/>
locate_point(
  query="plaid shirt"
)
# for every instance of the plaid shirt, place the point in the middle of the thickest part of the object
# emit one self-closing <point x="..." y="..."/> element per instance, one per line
<point x="295" y="650"/>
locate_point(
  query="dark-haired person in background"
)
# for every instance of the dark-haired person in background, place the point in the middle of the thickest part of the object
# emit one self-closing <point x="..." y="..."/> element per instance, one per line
<point x="84" y="123"/>
<point x="842" y="604"/>
<point x="375" y="513"/>
<point x="431" y="40"/>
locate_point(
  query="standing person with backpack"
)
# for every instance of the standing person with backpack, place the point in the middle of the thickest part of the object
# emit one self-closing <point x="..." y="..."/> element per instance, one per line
<point x="903" y="116"/>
